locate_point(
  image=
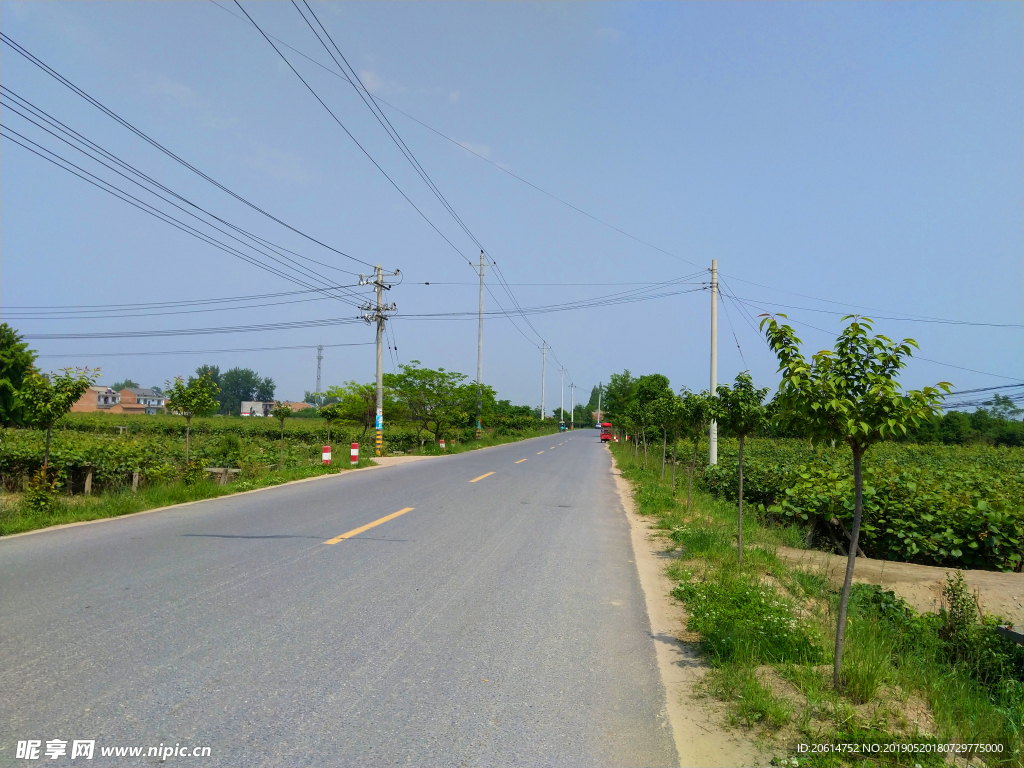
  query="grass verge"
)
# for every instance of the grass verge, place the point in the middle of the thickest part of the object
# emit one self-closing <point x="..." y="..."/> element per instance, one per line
<point x="18" y="517"/>
<point x="911" y="686"/>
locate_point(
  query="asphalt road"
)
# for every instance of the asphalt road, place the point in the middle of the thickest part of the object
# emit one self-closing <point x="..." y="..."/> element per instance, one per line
<point x="497" y="623"/>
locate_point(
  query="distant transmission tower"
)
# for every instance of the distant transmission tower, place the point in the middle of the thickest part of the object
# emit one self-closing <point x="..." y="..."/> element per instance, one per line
<point x="319" y="357"/>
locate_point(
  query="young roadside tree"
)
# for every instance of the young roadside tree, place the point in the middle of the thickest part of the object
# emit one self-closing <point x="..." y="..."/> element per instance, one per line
<point x="740" y="410"/>
<point x="435" y="400"/>
<point x="196" y="398"/>
<point x="697" y="412"/>
<point x="46" y="397"/>
<point x="330" y="413"/>
<point x="281" y="412"/>
<point x="16" y="361"/>
<point x="849" y="394"/>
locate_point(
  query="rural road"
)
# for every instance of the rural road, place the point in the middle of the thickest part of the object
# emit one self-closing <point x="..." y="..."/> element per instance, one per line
<point x="499" y="622"/>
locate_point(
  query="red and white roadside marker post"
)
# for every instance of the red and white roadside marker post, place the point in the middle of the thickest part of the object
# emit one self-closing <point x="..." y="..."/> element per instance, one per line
<point x="442" y="444"/>
<point x="355" y="454"/>
<point x="327" y="455"/>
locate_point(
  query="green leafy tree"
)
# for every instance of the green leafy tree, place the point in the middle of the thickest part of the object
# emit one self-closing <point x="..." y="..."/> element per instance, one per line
<point x="435" y="400"/>
<point x="618" y="394"/>
<point x="281" y="412"/>
<point x="47" y="397"/>
<point x="196" y="398"/>
<point x="210" y="371"/>
<point x="126" y="384"/>
<point x="849" y="394"/>
<point x="331" y="413"/>
<point x="697" y="410"/>
<point x="238" y="385"/>
<point x="740" y="410"/>
<point x="358" y="403"/>
<point x="16" y="361"/>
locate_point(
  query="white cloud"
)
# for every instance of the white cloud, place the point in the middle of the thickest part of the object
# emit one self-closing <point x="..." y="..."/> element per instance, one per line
<point x="175" y="91"/>
<point x="283" y="166"/>
<point x="480" y="149"/>
<point x="608" y="33"/>
<point x="371" y="80"/>
<point x="453" y="97"/>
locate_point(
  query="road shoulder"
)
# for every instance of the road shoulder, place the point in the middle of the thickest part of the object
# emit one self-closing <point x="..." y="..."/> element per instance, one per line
<point x="700" y="738"/>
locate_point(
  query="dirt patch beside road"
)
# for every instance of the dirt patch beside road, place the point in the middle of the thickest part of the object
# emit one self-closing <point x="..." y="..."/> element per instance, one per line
<point x="998" y="593"/>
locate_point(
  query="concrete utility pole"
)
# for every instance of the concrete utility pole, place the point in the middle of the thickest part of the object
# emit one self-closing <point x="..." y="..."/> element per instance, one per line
<point x="319" y="357"/>
<point x="713" y="430"/>
<point x="378" y="314"/>
<point x="561" y="396"/>
<point x="480" y="356"/>
<point x="572" y="407"/>
<point x="543" y="368"/>
<point x="600" y="387"/>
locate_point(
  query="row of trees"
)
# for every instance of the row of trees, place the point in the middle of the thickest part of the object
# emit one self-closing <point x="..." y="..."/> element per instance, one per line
<point x="235" y="386"/>
<point x="845" y="395"/>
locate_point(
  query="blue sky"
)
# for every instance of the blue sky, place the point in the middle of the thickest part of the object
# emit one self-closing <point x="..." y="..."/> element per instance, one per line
<point x="864" y="153"/>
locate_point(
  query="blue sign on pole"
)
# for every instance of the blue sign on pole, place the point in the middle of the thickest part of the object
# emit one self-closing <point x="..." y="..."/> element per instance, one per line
<point x="380" y="421"/>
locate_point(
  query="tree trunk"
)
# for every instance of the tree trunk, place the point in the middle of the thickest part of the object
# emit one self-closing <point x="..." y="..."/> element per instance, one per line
<point x="645" y="449"/>
<point x="664" y="445"/>
<point x="328" y="432"/>
<point x="689" y="484"/>
<point x="675" y="452"/>
<point x="46" y="456"/>
<point x="280" y="458"/>
<point x="740" y="540"/>
<point x="851" y="561"/>
<point x="188" y="435"/>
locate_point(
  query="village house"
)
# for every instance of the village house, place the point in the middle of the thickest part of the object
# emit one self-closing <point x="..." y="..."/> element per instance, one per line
<point x="104" y="399"/>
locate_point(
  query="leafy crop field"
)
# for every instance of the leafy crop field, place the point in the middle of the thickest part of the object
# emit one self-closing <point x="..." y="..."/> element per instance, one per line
<point x="960" y="506"/>
<point x="154" y="446"/>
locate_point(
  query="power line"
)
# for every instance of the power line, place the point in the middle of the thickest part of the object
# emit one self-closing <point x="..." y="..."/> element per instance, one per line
<point x="203" y="351"/>
<point x="75" y="89"/>
<point x="163" y="304"/>
<point x="915" y="357"/>
<point x="93" y="147"/>
<point x="136" y="202"/>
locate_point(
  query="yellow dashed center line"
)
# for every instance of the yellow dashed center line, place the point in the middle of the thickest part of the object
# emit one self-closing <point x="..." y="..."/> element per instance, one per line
<point x="481" y="477"/>
<point x="368" y="526"/>
<point x="520" y="461"/>
<point x="539" y="452"/>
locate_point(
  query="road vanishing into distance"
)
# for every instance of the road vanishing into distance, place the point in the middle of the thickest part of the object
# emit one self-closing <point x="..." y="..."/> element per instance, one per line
<point x="493" y="618"/>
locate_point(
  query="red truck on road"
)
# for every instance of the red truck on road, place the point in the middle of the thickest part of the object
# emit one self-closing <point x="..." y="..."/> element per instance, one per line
<point x="606" y="432"/>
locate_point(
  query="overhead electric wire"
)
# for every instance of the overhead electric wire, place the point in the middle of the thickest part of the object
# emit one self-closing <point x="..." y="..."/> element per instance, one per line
<point x="163" y="304"/>
<point x="597" y="301"/>
<point x="467" y="149"/>
<point x="352" y="79"/>
<point x="555" y="197"/>
<point x="80" y="92"/>
<point x="205" y="351"/>
<point x="79" y="318"/>
<point x="915" y="357"/>
<point x="135" y="202"/>
<point x="41" y="114"/>
<point x="346" y="130"/>
<point x="725" y="306"/>
<point x="885" y="317"/>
